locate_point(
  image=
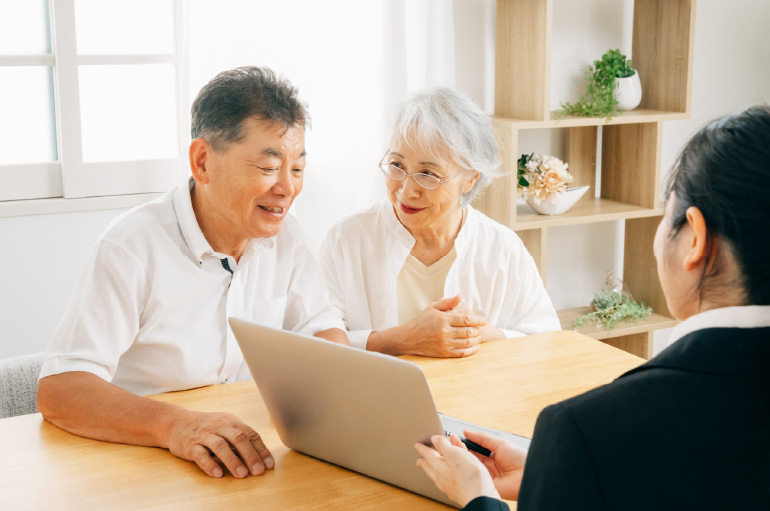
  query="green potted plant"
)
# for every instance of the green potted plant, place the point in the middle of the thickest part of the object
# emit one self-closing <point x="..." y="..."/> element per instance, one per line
<point x="611" y="305"/>
<point x="613" y="85"/>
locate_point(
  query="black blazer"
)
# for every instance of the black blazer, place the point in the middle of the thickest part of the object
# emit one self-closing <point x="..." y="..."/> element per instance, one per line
<point x="690" y="429"/>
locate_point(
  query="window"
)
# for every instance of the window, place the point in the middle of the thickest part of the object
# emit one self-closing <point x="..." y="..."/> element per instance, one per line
<point x="91" y="95"/>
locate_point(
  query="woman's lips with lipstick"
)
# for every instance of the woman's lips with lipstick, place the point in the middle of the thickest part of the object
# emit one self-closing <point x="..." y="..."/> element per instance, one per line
<point x="410" y="211"/>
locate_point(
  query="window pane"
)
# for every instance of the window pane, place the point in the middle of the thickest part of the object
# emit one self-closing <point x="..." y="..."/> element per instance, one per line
<point x="108" y="27"/>
<point x="27" y="128"/>
<point x="128" y="112"/>
<point x="24" y="27"/>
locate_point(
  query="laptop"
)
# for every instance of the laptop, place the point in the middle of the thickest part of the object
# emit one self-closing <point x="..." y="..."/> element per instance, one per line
<point x="357" y="409"/>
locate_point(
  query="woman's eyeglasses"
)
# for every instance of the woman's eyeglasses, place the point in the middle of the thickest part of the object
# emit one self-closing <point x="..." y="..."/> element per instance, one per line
<point x="425" y="180"/>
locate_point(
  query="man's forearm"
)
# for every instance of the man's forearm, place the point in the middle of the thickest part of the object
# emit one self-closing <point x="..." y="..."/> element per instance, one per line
<point x="86" y="405"/>
<point x="334" y="335"/>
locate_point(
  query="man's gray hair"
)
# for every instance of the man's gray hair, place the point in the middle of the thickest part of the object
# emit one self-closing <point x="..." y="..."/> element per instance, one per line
<point x="233" y="96"/>
<point x="443" y="119"/>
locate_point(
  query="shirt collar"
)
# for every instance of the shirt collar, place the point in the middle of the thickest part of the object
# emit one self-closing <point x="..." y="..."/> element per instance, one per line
<point x="394" y="225"/>
<point x="720" y="350"/>
<point x="466" y="231"/>
<point x="193" y="236"/>
<point x="258" y="245"/>
<point x="188" y="224"/>
<point x="746" y="316"/>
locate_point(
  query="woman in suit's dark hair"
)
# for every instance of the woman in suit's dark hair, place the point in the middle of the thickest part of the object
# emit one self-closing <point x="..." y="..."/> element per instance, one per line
<point x="722" y="171"/>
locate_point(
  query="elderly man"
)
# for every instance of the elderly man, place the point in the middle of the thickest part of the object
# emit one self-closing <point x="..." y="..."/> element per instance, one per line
<point x="149" y="313"/>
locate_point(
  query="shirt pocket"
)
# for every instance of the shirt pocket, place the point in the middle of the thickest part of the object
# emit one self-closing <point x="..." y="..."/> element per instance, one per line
<point x="269" y="312"/>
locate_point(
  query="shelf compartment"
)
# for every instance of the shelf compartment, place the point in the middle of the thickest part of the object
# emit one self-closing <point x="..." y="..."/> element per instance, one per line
<point x="628" y="117"/>
<point x="584" y="212"/>
<point x="653" y="322"/>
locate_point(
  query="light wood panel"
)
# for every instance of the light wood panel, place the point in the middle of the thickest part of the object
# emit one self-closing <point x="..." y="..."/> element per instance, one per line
<point x="628" y="117"/>
<point x="637" y="344"/>
<point x="505" y="386"/>
<point x="536" y="242"/>
<point x="581" y="156"/>
<point x="662" y="52"/>
<point x="498" y="201"/>
<point x="640" y="270"/>
<point x="523" y="59"/>
<point x="584" y="212"/>
<point x="631" y="163"/>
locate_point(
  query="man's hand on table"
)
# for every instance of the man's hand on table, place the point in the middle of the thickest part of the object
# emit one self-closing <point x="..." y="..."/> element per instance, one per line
<point x="199" y="436"/>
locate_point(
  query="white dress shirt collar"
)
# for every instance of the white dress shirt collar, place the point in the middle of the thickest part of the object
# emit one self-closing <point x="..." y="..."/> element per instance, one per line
<point x="747" y="316"/>
<point x="395" y="226"/>
<point x="193" y="236"/>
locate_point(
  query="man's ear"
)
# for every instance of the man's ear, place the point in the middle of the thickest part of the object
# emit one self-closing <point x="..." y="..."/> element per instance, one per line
<point x="699" y="244"/>
<point x="200" y="151"/>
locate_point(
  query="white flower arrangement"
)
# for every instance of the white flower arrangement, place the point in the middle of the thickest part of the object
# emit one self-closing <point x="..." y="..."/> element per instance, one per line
<point x="542" y="177"/>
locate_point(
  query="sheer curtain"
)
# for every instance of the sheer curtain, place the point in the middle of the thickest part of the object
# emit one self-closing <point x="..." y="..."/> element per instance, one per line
<point x="353" y="61"/>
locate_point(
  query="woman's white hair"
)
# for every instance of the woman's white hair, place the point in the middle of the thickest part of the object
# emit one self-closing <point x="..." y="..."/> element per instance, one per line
<point x="443" y="119"/>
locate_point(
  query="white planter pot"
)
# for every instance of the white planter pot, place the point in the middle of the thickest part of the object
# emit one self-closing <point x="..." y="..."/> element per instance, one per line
<point x="564" y="201"/>
<point x="628" y="92"/>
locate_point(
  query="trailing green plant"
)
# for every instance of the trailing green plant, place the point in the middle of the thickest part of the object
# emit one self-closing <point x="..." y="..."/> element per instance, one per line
<point x="599" y="99"/>
<point x="612" y="306"/>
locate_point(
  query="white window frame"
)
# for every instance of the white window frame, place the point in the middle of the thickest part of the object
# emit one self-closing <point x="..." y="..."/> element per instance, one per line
<point x="70" y="184"/>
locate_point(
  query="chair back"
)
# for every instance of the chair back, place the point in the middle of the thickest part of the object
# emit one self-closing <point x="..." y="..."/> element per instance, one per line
<point x="18" y="384"/>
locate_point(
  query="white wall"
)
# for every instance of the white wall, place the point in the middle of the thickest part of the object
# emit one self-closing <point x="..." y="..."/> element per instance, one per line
<point x="333" y="60"/>
<point x="40" y="260"/>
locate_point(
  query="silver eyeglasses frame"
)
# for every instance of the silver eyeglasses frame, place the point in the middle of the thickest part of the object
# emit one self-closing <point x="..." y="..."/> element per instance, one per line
<point x="424" y="180"/>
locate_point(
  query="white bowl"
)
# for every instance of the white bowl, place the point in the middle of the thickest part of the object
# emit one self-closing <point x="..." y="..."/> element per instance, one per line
<point x="564" y="201"/>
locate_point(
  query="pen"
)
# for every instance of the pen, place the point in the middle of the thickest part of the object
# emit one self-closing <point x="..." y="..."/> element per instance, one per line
<point x="473" y="446"/>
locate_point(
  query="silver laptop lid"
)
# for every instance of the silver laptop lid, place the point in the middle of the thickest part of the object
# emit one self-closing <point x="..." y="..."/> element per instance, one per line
<point x="357" y="409"/>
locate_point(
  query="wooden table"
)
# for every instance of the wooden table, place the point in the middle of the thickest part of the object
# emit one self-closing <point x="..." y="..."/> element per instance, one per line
<point x="505" y="386"/>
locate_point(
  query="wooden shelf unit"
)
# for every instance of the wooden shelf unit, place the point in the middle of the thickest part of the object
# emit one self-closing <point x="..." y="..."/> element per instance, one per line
<point x="586" y="211"/>
<point x="662" y="52"/>
<point x="570" y="121"/>
<point x="622" y="330"/>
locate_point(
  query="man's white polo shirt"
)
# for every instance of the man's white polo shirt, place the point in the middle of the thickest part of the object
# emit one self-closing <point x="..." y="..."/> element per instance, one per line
<point x="150" y="311"/>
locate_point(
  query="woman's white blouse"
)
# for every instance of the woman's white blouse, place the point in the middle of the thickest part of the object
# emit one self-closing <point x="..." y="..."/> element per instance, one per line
<point x="362" y="255"/>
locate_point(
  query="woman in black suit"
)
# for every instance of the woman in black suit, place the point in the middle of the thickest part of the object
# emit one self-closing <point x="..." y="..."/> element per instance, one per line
<point x="690" y="429"/>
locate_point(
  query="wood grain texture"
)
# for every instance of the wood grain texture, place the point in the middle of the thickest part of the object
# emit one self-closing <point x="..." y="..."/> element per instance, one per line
<point x="637" y="344"/>
<point x="628" y="117"/>
<point x="640" y="269"/>
<point x="505" y="386"/>
<point x="662" y="52"/>
<point x="581" y="156"/>
<point x="631" y="163"/>
<point x="523" y="59"/>
<point x="536" y="242"/>
<point x="498" y="201"/>
<point x="584" y="212"/>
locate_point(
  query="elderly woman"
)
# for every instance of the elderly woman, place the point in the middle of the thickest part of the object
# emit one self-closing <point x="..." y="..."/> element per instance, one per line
<point x="422" y="272"/>
<point x="690" y="429"/>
